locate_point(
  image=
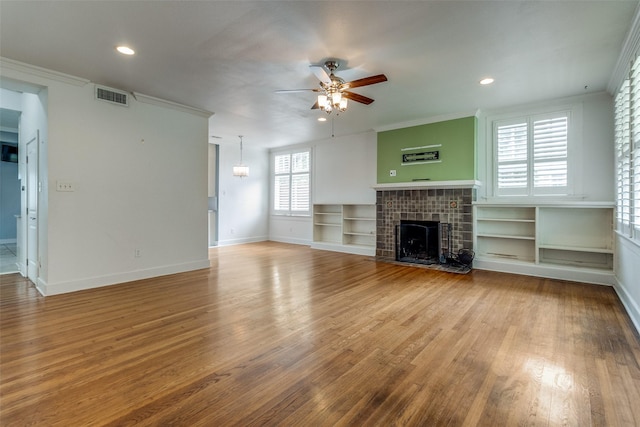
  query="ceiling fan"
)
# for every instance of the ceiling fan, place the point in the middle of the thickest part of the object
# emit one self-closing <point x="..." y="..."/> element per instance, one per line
<point x="333" y="91"/>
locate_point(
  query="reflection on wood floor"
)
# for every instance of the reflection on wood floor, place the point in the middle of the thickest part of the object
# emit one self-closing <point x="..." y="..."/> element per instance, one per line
<point x="277" y="334"/>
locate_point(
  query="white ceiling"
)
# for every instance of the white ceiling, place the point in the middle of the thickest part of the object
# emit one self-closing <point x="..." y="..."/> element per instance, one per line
<point x="229" y="57"/>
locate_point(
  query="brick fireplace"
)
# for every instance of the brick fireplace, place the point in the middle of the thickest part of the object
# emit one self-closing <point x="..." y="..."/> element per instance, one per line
<point x="445" y="205"/>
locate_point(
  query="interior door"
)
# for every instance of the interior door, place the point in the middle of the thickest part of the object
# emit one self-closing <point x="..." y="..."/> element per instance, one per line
<point x="32" y="209"/>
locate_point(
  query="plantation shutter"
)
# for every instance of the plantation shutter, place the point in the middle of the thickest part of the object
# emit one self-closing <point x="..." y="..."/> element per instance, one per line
<point x="623" y="158"/>
<point x="292" y="188"/>
<point x="634" y="154"/>
<point x="281" y="189"/>
<point x="300" y="182"/>
<point x="550" y="148"/>
<point x="512" y="148"/>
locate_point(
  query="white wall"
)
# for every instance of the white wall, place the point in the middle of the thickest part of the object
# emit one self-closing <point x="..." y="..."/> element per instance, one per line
<point x="343" y="172"/>
<point x="627" y="271"/>
<point x="140" y="177"/>
<point x="345" y="169"/>
<point x="243" y="202"/>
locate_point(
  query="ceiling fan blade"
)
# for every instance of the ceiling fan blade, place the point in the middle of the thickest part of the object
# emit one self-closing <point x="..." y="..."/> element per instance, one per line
<point x="320" y="73"/>
<point x="357" y="97"/>
<point x="297" y="90"/>
<point x="315" y="106"/>
<point x="371" y="80"/>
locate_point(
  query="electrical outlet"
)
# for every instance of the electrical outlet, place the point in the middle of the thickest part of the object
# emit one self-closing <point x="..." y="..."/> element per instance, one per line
<point x="137" y="253"/>
<point x="65" y="186"/>
<point x="392" y="172"/>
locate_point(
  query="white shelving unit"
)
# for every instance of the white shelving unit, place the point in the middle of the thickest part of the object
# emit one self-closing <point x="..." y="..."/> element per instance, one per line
<point x="345" y="228"/>
<point x="571" y="242"/>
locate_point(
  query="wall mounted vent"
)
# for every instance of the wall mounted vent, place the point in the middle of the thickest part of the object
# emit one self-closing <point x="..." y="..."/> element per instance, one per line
<point x="112" y="95"/>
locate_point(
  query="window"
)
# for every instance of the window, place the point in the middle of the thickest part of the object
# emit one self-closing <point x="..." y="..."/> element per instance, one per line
<point x="291" y="183"/>
<point x="623" y="158"/>
<point x="532" y="155"/>
<point x="627" y="143"/>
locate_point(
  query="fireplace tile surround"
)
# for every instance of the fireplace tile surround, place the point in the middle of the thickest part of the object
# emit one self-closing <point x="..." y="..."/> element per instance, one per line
<point x="446" y="205"/>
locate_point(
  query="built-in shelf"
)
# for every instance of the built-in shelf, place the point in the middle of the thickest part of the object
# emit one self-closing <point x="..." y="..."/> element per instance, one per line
<point x="345" y="228"/>
<point x="564" y="241"/>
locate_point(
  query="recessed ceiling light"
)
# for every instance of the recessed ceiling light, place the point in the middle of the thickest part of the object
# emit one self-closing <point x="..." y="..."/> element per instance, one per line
<point x="322" y="119"/>
<point x="486" y="81"/>
<point x="125" y="50"/>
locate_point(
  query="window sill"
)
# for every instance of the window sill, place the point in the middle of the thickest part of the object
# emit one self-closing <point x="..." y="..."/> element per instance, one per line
<point x="289" y="215"/>
<point x="560" y="200"/>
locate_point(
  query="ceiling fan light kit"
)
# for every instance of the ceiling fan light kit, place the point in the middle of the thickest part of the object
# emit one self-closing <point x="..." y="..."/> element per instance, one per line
<point x="332" y="101"/>
<point x="333" y="91"/>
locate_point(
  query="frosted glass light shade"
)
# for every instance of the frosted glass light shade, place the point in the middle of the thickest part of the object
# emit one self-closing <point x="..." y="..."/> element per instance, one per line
<point x="322" y="101"/>
<point x="241" y="170"/>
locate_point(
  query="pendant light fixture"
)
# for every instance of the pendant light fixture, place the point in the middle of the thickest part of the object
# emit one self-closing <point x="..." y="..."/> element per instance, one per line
<point x="241" y="170"/>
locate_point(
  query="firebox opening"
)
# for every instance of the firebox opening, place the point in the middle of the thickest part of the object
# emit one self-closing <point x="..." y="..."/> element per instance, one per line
<point x="418" y="242"/>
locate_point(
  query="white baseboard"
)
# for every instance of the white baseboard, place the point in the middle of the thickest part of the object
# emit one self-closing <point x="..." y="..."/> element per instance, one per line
<point x="303" y="242"/>
<point x="231" y="242"/>
<point x="629" y="304"/>
<point x="48" y="289"/>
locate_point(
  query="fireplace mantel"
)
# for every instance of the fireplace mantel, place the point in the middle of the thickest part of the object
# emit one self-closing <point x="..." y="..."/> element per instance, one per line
<point x="426" y="185"/>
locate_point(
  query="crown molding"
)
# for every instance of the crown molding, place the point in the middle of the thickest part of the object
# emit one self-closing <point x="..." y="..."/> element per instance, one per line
<point x="630" y="50"/>
<point x="146" y="99"/>
<point x="10" y="64"/>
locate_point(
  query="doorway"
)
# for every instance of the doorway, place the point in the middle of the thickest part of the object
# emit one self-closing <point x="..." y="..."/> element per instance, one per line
<point x="29" y="102"/>
<point x="9" y="190"/>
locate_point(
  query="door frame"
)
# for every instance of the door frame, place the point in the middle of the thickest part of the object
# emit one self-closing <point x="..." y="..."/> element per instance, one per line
<point x="33" y="268"/>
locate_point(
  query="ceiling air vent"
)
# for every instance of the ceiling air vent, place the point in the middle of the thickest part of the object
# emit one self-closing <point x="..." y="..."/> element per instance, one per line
<point x="112" y="95"/>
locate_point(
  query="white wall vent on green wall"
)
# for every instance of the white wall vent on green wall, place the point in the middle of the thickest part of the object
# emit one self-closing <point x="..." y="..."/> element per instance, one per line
<point x="112" y="95"/>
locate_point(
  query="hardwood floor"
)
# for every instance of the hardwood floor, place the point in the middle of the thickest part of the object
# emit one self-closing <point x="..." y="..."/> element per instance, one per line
<point x="277" y="334"/>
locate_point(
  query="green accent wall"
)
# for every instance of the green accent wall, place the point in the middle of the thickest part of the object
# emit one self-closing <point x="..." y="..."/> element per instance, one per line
<point x="457" y="153"/>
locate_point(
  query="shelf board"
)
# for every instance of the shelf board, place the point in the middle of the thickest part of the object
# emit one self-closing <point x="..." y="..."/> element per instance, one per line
<point x="327" y="224"/>
<point x="505" y="257"/>
<point x="576" y="248"/>
<point x="355" y="233"/>
<point x="504" y="236"/>
<point x="359" y="219"/>
<point x="328" y="213"/>
<point x="506" y="220"/>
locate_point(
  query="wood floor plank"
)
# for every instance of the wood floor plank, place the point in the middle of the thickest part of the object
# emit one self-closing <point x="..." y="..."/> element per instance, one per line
<point x="278" y="334"/>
